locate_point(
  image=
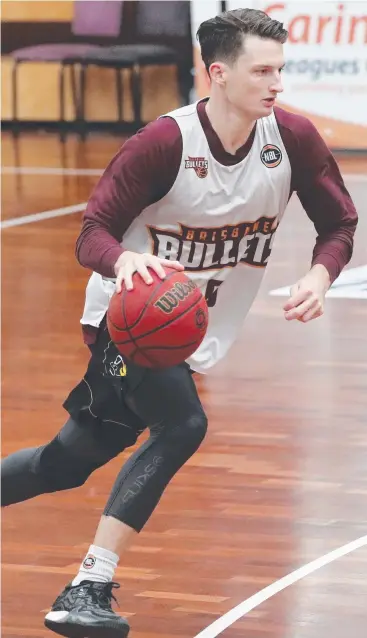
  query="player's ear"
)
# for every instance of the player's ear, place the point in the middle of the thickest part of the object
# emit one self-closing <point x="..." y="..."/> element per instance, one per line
<point x="217" y="72"/>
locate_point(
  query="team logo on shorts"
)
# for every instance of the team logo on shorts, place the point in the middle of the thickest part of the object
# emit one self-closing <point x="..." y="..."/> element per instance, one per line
<point x="199" y="164"/>
<point x="116" y="366"/>
<point x="89" y="562"/>
<point x="271" y="155"/>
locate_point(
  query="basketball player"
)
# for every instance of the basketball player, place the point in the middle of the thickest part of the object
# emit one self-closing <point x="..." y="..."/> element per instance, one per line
<point x="203" y="188"/>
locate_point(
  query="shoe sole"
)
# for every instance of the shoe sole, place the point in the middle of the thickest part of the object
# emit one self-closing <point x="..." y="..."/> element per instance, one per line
<point x="71" y="630"/>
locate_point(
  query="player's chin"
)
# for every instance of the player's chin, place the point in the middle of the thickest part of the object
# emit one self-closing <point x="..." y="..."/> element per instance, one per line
<point x="262" y="111"/>
<point x="267" y="106"/>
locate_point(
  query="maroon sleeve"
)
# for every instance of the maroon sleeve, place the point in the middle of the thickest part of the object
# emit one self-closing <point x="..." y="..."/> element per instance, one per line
<point x="320" y="187"/>
<point x="141" y="173"/>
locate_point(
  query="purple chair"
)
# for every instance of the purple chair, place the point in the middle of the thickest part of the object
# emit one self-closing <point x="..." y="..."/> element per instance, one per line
<point x="91" y="19"/>
<point x="154" y="22"/>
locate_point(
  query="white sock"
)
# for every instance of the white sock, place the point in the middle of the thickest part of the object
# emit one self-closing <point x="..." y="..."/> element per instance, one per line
<point x="99" y="565"/>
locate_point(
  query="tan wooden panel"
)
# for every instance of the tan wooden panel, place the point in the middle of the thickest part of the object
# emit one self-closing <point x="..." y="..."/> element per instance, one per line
<point x="33" y="11"/>
<point x="159" y="93"/>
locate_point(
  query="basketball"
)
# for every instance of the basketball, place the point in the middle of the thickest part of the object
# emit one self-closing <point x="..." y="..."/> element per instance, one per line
<point x="160" y="324"/>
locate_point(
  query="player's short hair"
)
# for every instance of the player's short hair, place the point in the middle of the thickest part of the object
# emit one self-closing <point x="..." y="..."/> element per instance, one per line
<point x="222" y="37"/>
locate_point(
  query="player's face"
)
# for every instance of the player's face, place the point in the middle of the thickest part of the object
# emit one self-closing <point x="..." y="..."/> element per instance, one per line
<point x="252" y="83"/>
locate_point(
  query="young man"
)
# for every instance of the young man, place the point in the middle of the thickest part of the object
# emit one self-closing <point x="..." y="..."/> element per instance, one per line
<point x="203" y="188"/>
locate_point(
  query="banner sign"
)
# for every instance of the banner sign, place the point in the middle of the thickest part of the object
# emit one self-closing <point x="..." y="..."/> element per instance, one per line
<point x="325" y="77"/>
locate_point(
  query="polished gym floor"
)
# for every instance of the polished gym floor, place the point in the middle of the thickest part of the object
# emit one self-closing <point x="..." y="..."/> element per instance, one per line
<point x="279" y="482"/>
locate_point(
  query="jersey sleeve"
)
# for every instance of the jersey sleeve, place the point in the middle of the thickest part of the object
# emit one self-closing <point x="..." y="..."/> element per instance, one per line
<point x="141" y="173"/>
<point x="317" y="180"/>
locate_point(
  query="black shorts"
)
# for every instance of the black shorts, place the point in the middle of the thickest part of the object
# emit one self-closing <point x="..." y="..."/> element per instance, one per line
<point x="108" y="389"/>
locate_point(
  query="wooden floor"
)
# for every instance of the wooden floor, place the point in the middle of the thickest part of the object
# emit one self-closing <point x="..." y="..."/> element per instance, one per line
<point x="280" y="480"/>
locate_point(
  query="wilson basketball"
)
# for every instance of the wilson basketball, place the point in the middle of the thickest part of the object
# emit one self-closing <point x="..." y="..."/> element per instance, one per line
<point x="160" y="324"/>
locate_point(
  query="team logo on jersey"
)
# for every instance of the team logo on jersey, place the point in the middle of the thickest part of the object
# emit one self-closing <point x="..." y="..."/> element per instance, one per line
<point x="199" y="164"/>
<point x="200" y="249"/>
<point x="271" y="155"/>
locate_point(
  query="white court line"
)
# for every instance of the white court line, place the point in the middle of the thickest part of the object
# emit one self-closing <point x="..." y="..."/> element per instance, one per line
<point x="67" y="210"/>
<point x="43" y="170"/>
<point x="243" y="608"/>
<point x="47" y="214"/>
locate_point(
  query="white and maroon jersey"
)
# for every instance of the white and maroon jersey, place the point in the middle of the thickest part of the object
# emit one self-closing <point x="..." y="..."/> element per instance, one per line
<point x="172" y="190"/>
<point x="219" y="222"/>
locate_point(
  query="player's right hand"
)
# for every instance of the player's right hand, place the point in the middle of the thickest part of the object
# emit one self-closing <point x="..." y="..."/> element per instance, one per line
<point x="130" y="262"/>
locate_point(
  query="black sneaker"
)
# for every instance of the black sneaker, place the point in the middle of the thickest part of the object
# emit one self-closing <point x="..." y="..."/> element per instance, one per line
<point x="84" y="611"/>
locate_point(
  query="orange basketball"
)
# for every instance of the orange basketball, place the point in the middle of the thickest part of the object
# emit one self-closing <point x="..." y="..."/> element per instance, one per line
<point x="160" y="324"/>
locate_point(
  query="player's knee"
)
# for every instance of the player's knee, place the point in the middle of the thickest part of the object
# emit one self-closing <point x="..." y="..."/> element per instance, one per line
<point x="59" y="470"/>
<point x="198" y="427"/>
<point x="192" y="432"/>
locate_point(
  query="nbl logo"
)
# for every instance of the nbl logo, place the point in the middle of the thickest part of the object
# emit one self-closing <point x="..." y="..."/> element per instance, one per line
<point x="271" y="156"/>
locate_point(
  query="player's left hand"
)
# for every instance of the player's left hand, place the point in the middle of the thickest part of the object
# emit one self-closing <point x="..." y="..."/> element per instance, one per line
<point x="307" y="296"/>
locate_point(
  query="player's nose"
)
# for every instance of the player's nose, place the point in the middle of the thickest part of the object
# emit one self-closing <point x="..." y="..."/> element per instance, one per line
<point x="277" y="85"/>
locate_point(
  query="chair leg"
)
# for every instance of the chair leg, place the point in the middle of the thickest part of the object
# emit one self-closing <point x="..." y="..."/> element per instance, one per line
<point x="77" y="97"/>
<point x="119" y="94"/>
<point x="14" y="81"/>
<point x="81" y="101"/>
<point x="74" y="91"/>
<point x="135" y="83"/>
<point x="62" y="100"/>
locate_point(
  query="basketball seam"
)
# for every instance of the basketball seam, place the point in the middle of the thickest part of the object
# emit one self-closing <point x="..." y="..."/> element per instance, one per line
<point x="112" y="322"/>
<point x="183" y="345"/>
<point x="147" y="302"/>
<point x="134" y="340"/>
<point x="137" y="349"/>
<point x="124" y="315"/>
<point x="164" y="325"/>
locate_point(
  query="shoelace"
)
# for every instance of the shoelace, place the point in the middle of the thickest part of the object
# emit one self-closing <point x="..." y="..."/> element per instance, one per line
<point x="105" y="595"/>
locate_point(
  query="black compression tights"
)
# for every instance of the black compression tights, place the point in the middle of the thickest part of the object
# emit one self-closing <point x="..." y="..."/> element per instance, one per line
<point x="168" y="402"/>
